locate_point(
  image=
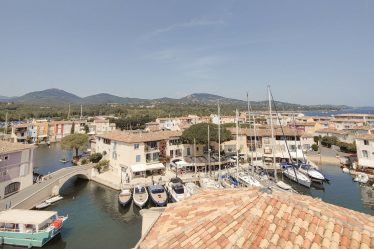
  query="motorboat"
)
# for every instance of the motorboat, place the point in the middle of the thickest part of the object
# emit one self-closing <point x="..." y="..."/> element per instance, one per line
<point x="248" y="180"/>
<point x="124" y="198"/>
<point x="314" y="174"/>
<point x="29" y="228"/>
<point x="140" y="196"/>
<point x="158" y="195"/>
<point x="191" y="188"/>
<point x="229" y="181"/>
<point x="42" y="205"/>
<point x="361" y="178"/>
<point x="54" y="199"/>
<point x="176" y="189"/>
<point x="345" y="170"/>
<point x="295" y="175"/>
<point x="283" y="185"/>
<point x="206" y="182"/>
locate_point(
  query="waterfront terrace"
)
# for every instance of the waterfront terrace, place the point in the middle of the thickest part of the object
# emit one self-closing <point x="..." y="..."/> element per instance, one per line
<point x="250" y="218"/>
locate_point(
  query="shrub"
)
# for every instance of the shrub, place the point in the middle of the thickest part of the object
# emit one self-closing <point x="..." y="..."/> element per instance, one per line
<point x="315" y="147"/>
<point x="84" y="161"/>
<point x="102" y="165"/>
<point x="96" y="157"/>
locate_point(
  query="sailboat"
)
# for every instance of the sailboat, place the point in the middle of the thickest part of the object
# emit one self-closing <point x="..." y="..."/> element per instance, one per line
<point x="289" y="170"/>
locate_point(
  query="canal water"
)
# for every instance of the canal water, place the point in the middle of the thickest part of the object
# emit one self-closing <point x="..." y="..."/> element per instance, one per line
<point x="96" y="220"/>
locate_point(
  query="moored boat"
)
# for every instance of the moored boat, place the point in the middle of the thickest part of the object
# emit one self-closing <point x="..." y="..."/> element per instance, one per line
<point x="54" y="199"/>
<point x="313" y="173"/>
<point x="176" y="189"/>
<point x="158" y="195"/>
<point x="124" y="198"/>
<point x="42" y="205"/>
<point x="295" y="175"/>
<point x="248" y="180"/>
<point x="191" y="188"/>
<point x="140" y="196"/>
<point x="283" y="185"/>
<point x="206" y="182"/>
<point x="29" y="228"/>
<point x="361" y="178"/>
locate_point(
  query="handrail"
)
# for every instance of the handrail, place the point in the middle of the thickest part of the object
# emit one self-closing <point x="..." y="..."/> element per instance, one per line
<point x="79" y="168"/>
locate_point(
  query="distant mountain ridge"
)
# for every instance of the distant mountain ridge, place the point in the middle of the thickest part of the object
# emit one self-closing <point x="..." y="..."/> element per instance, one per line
<point x="55" y="96"/>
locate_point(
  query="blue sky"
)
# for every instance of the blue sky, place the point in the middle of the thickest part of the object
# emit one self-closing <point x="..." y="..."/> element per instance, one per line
<point x="310" y="52"/>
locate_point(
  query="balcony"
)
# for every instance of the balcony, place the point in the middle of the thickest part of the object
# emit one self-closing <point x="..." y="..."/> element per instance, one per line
<point x="151" y="146"/>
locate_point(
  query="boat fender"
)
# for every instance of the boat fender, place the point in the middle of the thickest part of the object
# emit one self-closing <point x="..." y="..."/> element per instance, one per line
<point x="57" y="224"/>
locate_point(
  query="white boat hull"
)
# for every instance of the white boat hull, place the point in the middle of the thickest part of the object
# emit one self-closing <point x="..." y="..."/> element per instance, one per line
<point x="298" y="178"/>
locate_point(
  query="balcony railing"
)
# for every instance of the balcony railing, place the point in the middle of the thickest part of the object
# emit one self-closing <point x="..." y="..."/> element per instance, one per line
<point x="151" y="148"/>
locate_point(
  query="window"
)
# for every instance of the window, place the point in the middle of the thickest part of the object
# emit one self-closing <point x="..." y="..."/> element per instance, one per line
<point x="188" y="151"/>
<point x="366" y="142"/>
<point x="171" y="153"/>
<point x="138" y="158"/>
<point x="365" y="154"/>
<point x="6" y="158"/>
<point x="11" y="188"/>
<point x="106" y="141"/>
<point x="136" y="146"/>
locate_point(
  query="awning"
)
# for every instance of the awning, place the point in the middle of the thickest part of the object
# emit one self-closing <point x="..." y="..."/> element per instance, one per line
<point x="154" y="166"/>
<point x="182" y="163"/>
<point x="138" y="167"/>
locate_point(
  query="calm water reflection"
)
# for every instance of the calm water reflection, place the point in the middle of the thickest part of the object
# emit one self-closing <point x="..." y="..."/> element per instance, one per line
<point x="341" y="191"/>
<point x="96" y="220"/>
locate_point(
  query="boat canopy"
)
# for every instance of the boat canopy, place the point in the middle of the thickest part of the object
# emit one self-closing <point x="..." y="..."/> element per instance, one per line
<point x="20" y="216"/>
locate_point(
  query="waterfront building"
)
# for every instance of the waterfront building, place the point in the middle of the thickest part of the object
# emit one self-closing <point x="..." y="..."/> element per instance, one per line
<point x="365" y="150"/>
<point x="366" y="119"/>
<point x="100" y="126"/>
<point x="19" y="133"/>
<point x="298" y="142"/>
<point x="252" y="218"/>
<point x="342" y="123"/>
<point x="138" y="152"/>
<point x="35" y="132"/>
<point x="342" y="135"/>
<point x="16" y="167"/>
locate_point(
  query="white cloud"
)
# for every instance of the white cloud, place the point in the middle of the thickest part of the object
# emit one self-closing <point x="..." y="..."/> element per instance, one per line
<point x="197" y="22"/>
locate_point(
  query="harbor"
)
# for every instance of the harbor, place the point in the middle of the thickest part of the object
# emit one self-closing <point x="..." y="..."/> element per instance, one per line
<point x="122" y="225"/>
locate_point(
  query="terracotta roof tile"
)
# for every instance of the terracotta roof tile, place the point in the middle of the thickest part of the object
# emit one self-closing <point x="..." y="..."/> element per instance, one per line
<point x="258" y="220"/>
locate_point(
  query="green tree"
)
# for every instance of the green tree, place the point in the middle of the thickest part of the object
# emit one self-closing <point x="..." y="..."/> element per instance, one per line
<point x="200" y="133"/>
<point x="72" y="128"/>
<point x="96" y="157"/>
<point x="86" y="128"/>
<point x="75" y="142"/>
<point x="316" y="139"/>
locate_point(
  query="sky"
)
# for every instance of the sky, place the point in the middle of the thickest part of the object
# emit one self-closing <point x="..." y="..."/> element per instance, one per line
<point x="309" y="52"/>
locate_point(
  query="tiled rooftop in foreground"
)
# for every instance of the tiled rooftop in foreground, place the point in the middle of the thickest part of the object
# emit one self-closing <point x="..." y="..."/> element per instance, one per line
<point x="249" y="218"/>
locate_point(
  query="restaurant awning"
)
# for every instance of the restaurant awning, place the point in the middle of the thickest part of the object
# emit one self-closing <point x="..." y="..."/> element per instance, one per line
<point x="138" y="167"/>
<point x="155" y="166"/>
<point x="182" y="163"/>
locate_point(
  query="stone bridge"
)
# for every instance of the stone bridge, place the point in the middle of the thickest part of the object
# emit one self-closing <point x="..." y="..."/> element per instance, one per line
<point x="50" y="186"/>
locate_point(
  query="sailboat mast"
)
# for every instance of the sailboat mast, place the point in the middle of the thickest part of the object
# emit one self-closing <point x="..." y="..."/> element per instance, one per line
<point x="81" y="112"/>
<point x="249" y="133"/>
<point x="208" y="150"/>
<point x="237" y="142"/>
<point x="6" y="125"/>
<point x="194" y="152"/>
<point x="219" y="139"/>
<point x="272" y="135"/>
<point x="294" y="123"/>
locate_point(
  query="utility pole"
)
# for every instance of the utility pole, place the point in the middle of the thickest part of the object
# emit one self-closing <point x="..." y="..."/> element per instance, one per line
<point x="69" y="113"/>
<point x="81" y="112"/>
